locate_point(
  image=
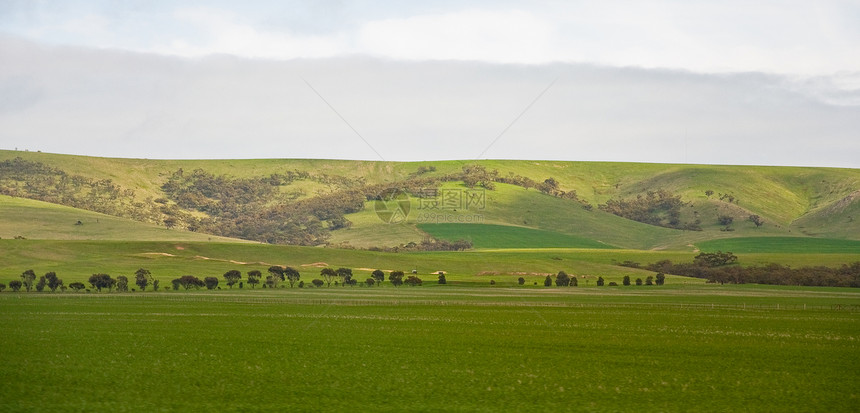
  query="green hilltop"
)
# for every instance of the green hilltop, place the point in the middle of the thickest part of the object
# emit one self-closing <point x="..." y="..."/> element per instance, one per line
<point x="334" y="202"/>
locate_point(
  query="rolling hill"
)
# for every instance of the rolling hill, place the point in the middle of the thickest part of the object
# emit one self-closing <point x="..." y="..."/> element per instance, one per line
<point x="335" y="202"/>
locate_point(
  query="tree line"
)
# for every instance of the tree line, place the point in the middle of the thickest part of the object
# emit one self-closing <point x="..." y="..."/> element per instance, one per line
<point x="722" y="267"/>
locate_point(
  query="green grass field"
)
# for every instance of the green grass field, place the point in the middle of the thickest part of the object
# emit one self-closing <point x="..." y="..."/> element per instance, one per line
<point x="501" y="236"/>
<point x="798" y="245"/>
<point x="433" y="349"/>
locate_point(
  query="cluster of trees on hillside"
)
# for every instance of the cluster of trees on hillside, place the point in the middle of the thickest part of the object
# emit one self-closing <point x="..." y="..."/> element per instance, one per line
<point x="35" y="180"/>
<point x="661" y="208"/>
<point x="721" y="267"/>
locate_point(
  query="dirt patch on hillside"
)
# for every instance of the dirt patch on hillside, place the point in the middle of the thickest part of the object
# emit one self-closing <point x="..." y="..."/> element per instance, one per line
<point x="316" y="264"/>
<point x="163" y="254"/>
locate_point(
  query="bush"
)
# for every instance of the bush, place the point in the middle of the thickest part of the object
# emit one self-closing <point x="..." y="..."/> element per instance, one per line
<point x="442" y="279"/>
<point x="122" y="284"/>
<point x="15" y="285"/>
<point x="521" y="281"/>
<point x="613" y="284"/>
<point x="649" y="280"/>
<point x="600" y="281"/>
<point x="370" y="281"/>
<point x="317" y="282"/>
<point x="626" y="280"/>
<point x="412" y="281"/>
<point x="574" y="282"/>
<point x="660" y="278"/>
<point x="638" y="281"/>
<point x="547" y="282"/>
<point x="492" y="282"/>
<point x="77" y="286"/>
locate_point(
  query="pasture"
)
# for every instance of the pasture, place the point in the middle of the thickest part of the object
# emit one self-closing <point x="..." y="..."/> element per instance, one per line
<point x="504" y="236"/>
<point x="676" y="348"/>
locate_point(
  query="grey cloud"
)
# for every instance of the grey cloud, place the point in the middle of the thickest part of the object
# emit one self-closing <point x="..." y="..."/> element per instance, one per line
<point x="135" y="105"/>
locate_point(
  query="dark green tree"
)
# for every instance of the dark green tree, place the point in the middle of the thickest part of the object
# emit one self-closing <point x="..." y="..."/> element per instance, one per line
<point x="40" y="285"/>
<point x="143" y="278"/>
<point x="600" y="281"/>
<point x="77" y="286"/>
<point x="370" y="281"/>
<point x="292" y="275"/>
<point x="442" y="279"/>
<point x="649" y="280"/>
<point x="660" y="278"/>
<point x="277" y="273"/>
<point x="317" y="282"/>
<point x="574" y="282"/>
<point x="328" y="274"/>
<point x="232" y="277"/>
<point x="99" y="281"/>
<point x="755" y="219"/>
<point x="638" y="281"/>
<point x="15" y="285"/>
<point x="396" y="278"/>
<point x="189" y="281"/>
<point x="210" y="282"/>
<point x="626" y="280"/>
<point x="379" y="276"/>
<point x="53" y="281"/>
<point x="122" y="284"/>
<point x="547" y="282"/>
<point x="412" y="281"/>
<point x="254" y="278"/>
<point x="562" y="279"/>
<point x="344" y="274"/>
<point x="27" y="279"/>
<point x="521" y="281"/>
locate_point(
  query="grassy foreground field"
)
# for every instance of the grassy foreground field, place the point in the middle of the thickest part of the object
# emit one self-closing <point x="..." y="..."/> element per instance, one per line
<point x="747" y="348"/>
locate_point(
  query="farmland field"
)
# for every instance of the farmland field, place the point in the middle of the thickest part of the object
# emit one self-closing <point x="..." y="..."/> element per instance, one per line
<point x="674" y="348"/>
<point x="782" y="244"/>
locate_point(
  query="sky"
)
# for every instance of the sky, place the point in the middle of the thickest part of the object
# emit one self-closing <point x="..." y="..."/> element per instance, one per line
<point x="691" y="81"/>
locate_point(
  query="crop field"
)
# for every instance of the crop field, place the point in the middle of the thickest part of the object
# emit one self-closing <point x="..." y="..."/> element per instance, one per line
<point x="782" y="244"/>
<point x="681" y="348"/>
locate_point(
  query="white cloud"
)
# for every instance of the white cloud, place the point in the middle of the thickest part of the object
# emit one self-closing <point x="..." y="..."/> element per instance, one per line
<point x="492" y="36"/>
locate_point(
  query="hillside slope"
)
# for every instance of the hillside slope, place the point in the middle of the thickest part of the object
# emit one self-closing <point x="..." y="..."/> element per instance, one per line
<point x="331" y="201"/>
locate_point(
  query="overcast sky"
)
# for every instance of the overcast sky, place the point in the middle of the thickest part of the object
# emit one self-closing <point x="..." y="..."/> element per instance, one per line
<point x="726" y="82"/>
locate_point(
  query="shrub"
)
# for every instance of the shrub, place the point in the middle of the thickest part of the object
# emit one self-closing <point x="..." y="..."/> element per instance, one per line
<point x="370" y="281"/>
<point x="626" y="280"/>
<point x="317" y="282"/>
<point x="492" y="282"/>
<point x="574" y="282"/>
<point x="660" y="278"/>
<point x="77" y="286"/>
<point x="442" y="279"/>
<point x="547" y="282"/>
<point x="396" y="278"/>
<point x="649" y="280"/>
<point x="412" y="281"/>
<point x="638" y="281"/>
<point x="521" y="281"/>
<point x="613" y="284"/>
<point x="600" y="281"/>
<point x="40" y="285"/>
<point x="15" y="285"/>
